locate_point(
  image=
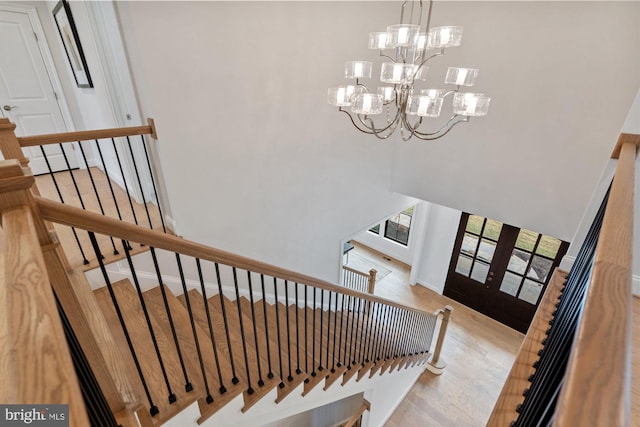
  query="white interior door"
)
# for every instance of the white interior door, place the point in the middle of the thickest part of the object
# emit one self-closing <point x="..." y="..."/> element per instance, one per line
<point x="26" y="95"/>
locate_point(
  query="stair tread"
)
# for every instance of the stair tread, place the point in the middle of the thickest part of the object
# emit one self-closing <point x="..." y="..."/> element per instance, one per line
<point x="141" y="340"/>
<point x="256" y="391"/>
<point x="230" y="390"/>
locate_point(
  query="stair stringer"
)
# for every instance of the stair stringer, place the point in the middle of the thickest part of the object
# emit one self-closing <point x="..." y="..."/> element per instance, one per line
<point x="392" y="389"/>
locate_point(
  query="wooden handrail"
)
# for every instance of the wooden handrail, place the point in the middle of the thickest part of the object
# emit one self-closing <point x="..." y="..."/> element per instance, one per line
<point x="353" y="270"/>
<point x="596" y="389"/>
<point x="504" y="411"/>
<point x="72" y="216"/>
<point x="84" y="135"/>
<point x="35" y="363"/>
<point x="366" y="406"/>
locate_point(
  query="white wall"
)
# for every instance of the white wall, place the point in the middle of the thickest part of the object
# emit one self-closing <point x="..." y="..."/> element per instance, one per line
<point x="440" y="236"/>
<point x="562" y="76"/>
<point x="256" y="162"/>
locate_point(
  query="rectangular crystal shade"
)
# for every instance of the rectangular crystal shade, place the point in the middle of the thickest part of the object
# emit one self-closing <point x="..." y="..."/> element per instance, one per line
<point x="471" y="104"/>
<point x="432" y="93"/>
<point x="397" y="73"/>
<point x="461" y="76"/>
<point x="357" y="69"/>
<point x="378" y="40"/>
<point x="403" y="35"/>
<point x="424" y="106"/>
<point x="422" y="41"/>
<point x="388" y="93"/>
<point x="441" y="37"/>
<point x="367" y="103"/>
<point x="342" y="96"/>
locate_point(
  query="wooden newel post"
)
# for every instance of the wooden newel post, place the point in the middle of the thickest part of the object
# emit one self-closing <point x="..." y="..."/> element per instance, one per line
<point x="372" y="281"/>
<point x="436" y="364"/>
<point x="9" y="145"/>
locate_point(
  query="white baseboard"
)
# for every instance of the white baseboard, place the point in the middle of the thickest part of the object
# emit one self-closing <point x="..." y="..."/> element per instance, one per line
<point x="430" y="286"/>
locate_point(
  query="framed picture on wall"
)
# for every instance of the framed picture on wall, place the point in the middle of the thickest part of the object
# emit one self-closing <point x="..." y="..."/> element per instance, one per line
<point x="71" y="42"/>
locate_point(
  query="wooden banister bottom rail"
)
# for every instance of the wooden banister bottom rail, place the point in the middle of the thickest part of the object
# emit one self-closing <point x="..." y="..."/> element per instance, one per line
<point x="357" y="417"/>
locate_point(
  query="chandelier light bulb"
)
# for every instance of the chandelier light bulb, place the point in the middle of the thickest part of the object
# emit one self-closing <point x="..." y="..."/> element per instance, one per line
<point x="403" y="35"/>
<point x="378" y="40"/>
<point x="388" y="93"/>
<point x="461" y="76"/>
<point x="424" y="106"/>
<point x="342" y="96"/>
<point x="357" y="69"/>
<point x="441" y="37"/>
<point x="367" y="104"/>
<point x="471" y="104"/>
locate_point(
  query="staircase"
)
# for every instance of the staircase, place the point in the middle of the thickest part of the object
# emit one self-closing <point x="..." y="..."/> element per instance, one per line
<point x="156" y="323"/>
<point x="215" y="368"/>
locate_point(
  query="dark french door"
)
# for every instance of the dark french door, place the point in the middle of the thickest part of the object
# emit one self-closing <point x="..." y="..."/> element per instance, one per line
<point x="500" y="270"/>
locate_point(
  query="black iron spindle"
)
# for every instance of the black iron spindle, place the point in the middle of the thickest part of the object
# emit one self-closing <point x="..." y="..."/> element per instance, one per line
<point x="124" y="180"/>
<point x="313" y="338"/>
<point x="187" y="386"/>
<point x="320" y="367"/>
<point x="234" y="379"/>
<point x="335" y="330"/>
<point x="255" y="330"/>
<point x="95" y="191"/>
<point x="286" y="311"/>
<point x="326" y="363"/>
<point x="145" y="311"/>
<point x="298" y="370"/>
<point x="214" y="347"/>
<point x="250" y="390"/>
<point x="153" y="183"/>
<point x="306" y="334"/>
<point x="153" y="408"/>
<point x="135" y="169"/>
<point x="275" y="292"/>
<point x="209" y="397"/>
<point x="104" y="168"/>
<point x="85" y="261"/>
<point x="266" y="326"/>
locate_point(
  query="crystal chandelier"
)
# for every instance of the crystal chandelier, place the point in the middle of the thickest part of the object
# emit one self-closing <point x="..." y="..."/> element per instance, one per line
<point x="408" y="47"/>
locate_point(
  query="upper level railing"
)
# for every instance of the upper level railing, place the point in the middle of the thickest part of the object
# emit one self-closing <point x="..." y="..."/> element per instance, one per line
<point x="573" y="368"/>
<point x="359" y="280"/>
<point x="114" y="175"/>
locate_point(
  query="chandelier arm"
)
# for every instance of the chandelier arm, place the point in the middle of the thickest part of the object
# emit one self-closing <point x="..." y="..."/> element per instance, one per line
<point x="354" y="122"/>
<point x="378" y="133"/>
<point x="392" y="125"/>
<point x="386" y="56"/>
<point x="362" y="85"/>
<point x="444" y="129"/>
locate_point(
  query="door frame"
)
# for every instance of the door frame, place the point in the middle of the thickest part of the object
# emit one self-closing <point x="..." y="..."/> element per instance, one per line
<point x="47" y="58"/>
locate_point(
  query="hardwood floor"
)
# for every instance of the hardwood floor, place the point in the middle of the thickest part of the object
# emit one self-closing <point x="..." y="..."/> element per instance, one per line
<point x="479" y="353"/>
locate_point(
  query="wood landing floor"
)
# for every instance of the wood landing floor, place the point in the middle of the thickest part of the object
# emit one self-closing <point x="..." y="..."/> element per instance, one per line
<point x="479" y="353"/>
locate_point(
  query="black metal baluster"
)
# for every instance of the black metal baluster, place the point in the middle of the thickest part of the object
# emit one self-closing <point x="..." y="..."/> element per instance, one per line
<point x="209" y="397"/>
<point x="255" y="330"/>
<point x="320" y="367"/>
<point x="153" y="183"/>
<point x="342" y="343"/>
<point x="136" y="282"/>
<point x="381" y="331"/>
<point x="275" y="292"/>
<point x="335" y="330"/>
<point x="286" y="306"/>
<point x="326" y="363"/>
<point x="113" y="194"/>
<point x="266" y="326"/>
<point x="298" y="370"/>
<point x="235" y="379"/>
<point x="359" y="329"/>
<point x="386" y="325"/>
<point x="372" y="336"/>
<point x="153" y="408"/>
<point x="313" y="337"/>
<point x="85" y="261"/>
<point x="306" y="335"/>
<point x="135" y="169"/>
<point x="124" y="180"/>
<point x="214" y="347"/>
<point x="250" y="390"/>
<point x="350" y="319"/>
<point x="187" y="386"/>
<point x="365" y="332"/>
